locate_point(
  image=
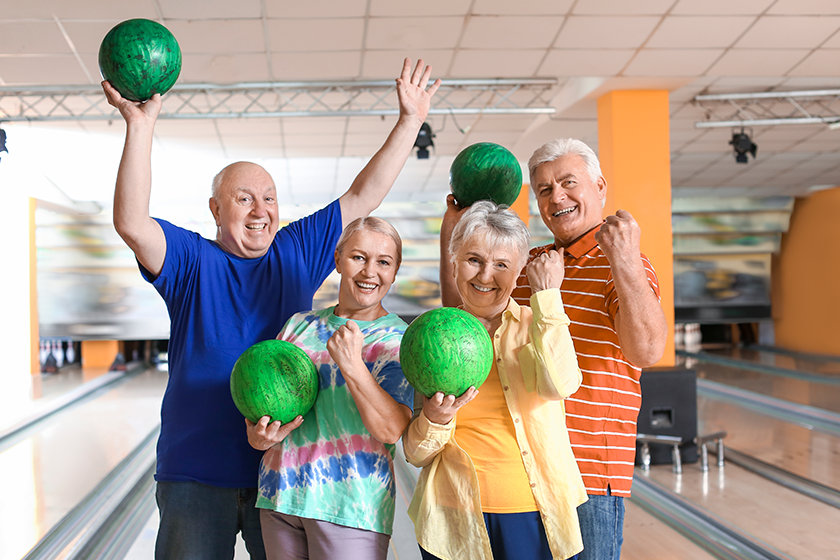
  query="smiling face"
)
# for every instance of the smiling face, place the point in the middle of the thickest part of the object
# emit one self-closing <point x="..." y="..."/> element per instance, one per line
<point x="245" y="209"/>
<point x="485" y="274"/>
<point x="368" y="266"/>
<point x="570" y="202"/>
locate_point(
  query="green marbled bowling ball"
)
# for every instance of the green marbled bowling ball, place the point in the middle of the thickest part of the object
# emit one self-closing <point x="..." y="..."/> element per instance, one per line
<point x="140" y="57"/>
<point x="485" y="171"/>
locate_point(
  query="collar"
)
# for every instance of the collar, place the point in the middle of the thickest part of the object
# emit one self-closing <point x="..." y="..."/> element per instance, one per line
<point x="583" y="245"/>
<point x="513" y="310"/>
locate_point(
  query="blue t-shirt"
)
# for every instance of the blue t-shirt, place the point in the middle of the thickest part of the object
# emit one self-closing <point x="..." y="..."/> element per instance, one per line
<point x="219" y="305"/>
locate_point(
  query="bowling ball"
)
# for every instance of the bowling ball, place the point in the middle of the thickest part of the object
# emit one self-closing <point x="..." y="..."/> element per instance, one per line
<point x="274" y="378"/>
<point x="140" y="57"/>
<point x="446" y="349"/>
<point x="485" y="171"/>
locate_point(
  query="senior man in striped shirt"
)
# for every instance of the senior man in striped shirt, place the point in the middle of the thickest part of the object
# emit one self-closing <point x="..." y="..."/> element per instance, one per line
<point x="611" y="295"/>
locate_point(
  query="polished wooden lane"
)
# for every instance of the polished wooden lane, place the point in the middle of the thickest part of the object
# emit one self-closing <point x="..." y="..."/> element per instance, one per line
<point x="794" y="524"/>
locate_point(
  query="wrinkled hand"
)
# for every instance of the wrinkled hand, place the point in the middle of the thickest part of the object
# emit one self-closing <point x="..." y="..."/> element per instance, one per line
<point x="263" y="436"/>
<point x="345" y="346"/>
<point x="441" y="408"/>
<point x="132" y="111"/>
<point x="546" y="271"/>
<point x="620" y="239"/>
<point x="415" y="100"/>
<point x="451" y="217"/>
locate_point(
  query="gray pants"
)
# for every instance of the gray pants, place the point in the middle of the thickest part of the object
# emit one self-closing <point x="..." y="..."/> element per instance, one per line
<point x="288" y="537"/>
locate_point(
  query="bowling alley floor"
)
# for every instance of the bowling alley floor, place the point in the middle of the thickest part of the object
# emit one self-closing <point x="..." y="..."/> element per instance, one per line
<point x="44" y="474"/>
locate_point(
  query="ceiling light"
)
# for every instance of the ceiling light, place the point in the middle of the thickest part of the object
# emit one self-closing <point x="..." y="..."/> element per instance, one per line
<point x="424" y="141"/>
<point x="743" y="145"/>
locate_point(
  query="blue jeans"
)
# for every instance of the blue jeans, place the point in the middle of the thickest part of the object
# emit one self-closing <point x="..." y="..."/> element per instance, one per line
<point x="601" y="526"/>
<point x="514" y="536"/>
<point x="200" y="522"/>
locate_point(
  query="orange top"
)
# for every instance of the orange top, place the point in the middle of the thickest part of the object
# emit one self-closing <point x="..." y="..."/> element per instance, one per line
<point x="601" y="415"/>
<point x="485" y="431"/>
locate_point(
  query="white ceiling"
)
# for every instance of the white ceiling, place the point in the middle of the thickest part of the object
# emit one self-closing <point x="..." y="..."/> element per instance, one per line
<point x="590" y="46"/>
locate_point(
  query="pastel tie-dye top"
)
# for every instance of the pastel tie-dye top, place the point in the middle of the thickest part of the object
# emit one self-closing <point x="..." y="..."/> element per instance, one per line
<point x="331" y="468"/>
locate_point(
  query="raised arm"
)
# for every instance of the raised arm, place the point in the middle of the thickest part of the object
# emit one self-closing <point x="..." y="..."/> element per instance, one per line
<point x="376" y="179"/>
<point x="134" y="181"/>
<point x="449" y="295"/>
<point x="640" y="322"/>
<point x="549" y="363"/>
<point x="384" y="418"/>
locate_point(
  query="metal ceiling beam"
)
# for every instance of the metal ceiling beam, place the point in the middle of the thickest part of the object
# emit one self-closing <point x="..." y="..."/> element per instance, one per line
<point x="769" y="108"/>
<point x="282" y="99"/>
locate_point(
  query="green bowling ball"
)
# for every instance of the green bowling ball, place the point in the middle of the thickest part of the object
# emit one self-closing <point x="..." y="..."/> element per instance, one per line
<point x="140" y="58"/>
<point x="485" y="171"/>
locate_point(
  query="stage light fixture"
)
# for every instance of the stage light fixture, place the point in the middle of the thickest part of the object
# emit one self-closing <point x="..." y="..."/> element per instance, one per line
<point x="743" y="145"/>
<point x="424" y="141"/>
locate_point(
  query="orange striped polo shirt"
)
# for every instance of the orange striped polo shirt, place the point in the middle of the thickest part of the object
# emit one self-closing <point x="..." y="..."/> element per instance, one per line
<point x="601" y="415"/>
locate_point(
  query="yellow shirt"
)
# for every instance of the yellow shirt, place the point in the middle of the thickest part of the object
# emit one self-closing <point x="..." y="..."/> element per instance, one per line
<point x="537" y="369"/>
<point x="486" y="433"/>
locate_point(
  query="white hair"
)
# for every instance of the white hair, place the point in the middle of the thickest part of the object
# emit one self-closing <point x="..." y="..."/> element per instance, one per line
<point x="498" y="224"/>
<point x="560" y="147"/>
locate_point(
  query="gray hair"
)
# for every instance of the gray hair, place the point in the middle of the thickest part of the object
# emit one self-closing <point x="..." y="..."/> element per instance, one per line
<point x="499" y="224"/>
<point x="370" y="223"/>
<point x="556" y="149"/>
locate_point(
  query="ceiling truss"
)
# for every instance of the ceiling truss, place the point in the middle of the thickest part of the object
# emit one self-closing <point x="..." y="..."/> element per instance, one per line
<point x="769" y="108"/>
<point x="282" y="99"/>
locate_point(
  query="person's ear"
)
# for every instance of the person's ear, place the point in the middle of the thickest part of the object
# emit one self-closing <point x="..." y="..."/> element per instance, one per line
<point x="215" y="210"/>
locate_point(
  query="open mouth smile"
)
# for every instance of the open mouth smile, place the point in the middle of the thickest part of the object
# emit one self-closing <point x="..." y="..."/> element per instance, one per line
<point x="256" y="227"/>
<point x="482" y="289"/>
<point x="564" y="211"/>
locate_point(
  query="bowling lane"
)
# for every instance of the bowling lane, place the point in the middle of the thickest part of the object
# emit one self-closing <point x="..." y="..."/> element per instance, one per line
<point x="647" y="538"/>
<point x="791" y="523"/>
<point x="46" y="474"/>
<point x="796" y="361"/>
<point x="808" y="453"/>
<point x="801" y="391"/>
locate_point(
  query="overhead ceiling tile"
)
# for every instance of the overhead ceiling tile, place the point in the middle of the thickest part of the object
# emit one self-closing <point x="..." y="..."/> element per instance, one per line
<point x="315" y="35"/>
<point x="585" y="62"/>
<point x="219" y="36"/>
<point x="316" y="66"/>
<point x="757" y="62"/>
<point x="823" y="62"/>
<point x="248" y="127"/>
<point x="801" y="7"/>
<point x="510" y="32"/>
<point x="387" y="64"/>
<point x="224" y="69"/>
<point x="80" y="9"/>
<point x="622" y="7"/>
<point x="532" y="7"/>
<point x="389" y="8"/>
<point x="720" y="7"/>
<point x="668" y="62"/>
<point x="41" y="70"/>
<point x="489" y="63"/>
<point x="316" y="125"/>
<point x="210" y="9"/>
<point x="774" y="32"/>
<point x="32" y="37"/>
<point x="413" y="33"/>
<point x="605" y="32"/>
<point x="698" y="32"/>
<point x="320" y="9"/>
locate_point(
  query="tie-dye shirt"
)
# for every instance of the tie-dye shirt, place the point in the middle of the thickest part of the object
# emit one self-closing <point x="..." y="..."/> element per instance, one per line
<point x="331" y="468"/>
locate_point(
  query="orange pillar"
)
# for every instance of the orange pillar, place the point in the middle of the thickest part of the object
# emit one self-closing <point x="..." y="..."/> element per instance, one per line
<point x="635" y="154"/>
<point x="99" y="353"/>
<point x="521" y="204"/>
<point x="34" y="331"/>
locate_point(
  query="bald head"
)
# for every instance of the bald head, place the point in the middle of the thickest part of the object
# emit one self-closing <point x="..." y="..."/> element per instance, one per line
<point x="237" y="172"/>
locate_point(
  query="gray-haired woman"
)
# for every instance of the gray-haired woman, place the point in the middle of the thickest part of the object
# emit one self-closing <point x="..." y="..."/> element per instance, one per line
<point x="509" y="488"/>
